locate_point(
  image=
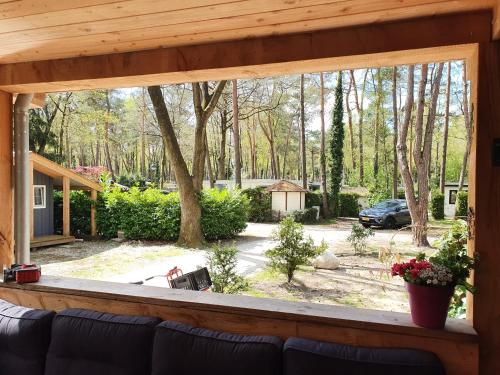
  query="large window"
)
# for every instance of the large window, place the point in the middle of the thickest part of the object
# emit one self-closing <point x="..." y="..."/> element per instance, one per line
<point x="39" y="196"/>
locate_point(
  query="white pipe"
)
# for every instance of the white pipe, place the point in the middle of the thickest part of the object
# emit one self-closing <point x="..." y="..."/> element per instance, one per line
<point x="22" y="196"/>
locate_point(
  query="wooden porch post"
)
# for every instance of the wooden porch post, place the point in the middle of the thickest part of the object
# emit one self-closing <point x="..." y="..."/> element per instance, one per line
<point x="93" y="227"/>
<point x="32" y="213"/>
<point x="6" y="181"/>
<point x="484" y="203"/>
<point x="66" y="215"/>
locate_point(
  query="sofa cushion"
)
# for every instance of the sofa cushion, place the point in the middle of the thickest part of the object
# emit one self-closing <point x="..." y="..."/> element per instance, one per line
<point x="185" y="350"/>
<point x="303" y="357"/>
<point x="24" y="339"/>
<point x="91" y="342"/>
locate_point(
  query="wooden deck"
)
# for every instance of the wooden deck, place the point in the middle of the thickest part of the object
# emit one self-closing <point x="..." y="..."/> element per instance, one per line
<point x="51" y="240"/>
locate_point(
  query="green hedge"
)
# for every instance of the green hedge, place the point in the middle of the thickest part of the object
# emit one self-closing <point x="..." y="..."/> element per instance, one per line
<point x="307" y="216"/>
<point x="437" y="205"/>
<point x="153" y="215"/>
<point x="462" y="204"/>
<point x="348" y="205"/>
<point x="259" y="205"/>
<point x="80" y="204"/>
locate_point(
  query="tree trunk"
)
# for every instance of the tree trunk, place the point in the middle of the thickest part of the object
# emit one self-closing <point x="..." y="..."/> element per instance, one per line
<point x="324" y="192"/>
<point x="349" y="117"/>
<point x="303" y="135"/>
<point x="377" y="125"/>
<point x="221" y="160"/>
<point x="143" y="134"/>
<point x="236" y="132"/>
<point x="359" y="108"/>
<point x="190" y="233"/>
<point x="468" y="130"/>
<point x="395" y="137"/>
<point x="442" y="174"/>
<point x="109" y="163"/>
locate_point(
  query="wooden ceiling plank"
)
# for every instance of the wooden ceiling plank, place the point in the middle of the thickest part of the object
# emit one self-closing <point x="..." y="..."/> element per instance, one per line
<point x="263" y="56"/>
<point x="222" y="14"/>
<point x="12" y="9"/>
<point x="108" y="11"/>
<point x="205" y="32"/>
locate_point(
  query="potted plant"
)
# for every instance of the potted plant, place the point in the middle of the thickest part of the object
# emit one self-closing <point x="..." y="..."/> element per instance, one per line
<point x="431" y="283"/>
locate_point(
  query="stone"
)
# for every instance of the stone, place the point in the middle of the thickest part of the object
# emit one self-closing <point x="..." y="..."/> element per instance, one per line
<point x="327" y="261"/>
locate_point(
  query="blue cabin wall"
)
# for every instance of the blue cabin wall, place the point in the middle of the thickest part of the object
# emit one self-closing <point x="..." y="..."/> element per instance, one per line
<point x="43" y="218"/>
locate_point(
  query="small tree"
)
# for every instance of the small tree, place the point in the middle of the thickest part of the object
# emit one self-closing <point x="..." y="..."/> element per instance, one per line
<point x="222" y="263"/>
<point x="292" y="250"/>
<point x="358" y="238"/>
<point x="337" y="146"/>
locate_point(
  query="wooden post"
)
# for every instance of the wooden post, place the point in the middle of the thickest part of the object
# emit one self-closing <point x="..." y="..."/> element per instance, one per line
<point x="93" y="227"/>
<point x="6" y="181"/>
<point x="66" y="215"/>
<point x="32" y="203"/>
<point x="484" y="203"/>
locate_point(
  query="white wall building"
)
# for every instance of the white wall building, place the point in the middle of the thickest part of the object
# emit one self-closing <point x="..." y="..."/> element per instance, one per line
<point x="450" y="197"/>
<point x="286" y="197"/>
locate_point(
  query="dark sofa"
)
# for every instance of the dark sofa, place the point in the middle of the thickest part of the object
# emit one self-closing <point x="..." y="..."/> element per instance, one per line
<point x="77" y="342"/>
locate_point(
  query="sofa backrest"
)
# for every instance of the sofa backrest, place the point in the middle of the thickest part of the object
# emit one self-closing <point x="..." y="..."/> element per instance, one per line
<point x="89" y="342"/>
<point x="185" y="350"/>
<point x="24" y="339"/>
<point x="304" y="357"/>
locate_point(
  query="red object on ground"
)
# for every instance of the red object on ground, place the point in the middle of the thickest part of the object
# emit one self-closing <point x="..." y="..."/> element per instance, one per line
<point x="429" y="305"/>
<point x="28" y="273"/>
<point x="173" y="272"/>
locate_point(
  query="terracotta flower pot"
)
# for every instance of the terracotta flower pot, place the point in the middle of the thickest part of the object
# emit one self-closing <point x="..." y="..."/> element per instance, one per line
<point x="429" y="305"/>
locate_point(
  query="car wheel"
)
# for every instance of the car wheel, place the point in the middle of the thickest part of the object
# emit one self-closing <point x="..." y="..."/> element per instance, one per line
<point x="366" y="225"/>
<point x="390" y="223"/>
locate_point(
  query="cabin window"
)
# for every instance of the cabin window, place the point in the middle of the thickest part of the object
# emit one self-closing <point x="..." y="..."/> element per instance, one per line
<point x="39" y="196"/>
<point x="453" y="197"/>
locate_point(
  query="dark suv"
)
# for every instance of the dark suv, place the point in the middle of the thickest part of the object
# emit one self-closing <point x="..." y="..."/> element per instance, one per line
<point x="387" y="214"/>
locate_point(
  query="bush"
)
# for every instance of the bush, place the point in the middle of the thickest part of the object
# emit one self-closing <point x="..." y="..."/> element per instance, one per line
<point x="80" y="204"/>
<point x="153" y="215"/>
<point x="307" y="216"/>
<point x="378" y="195"/>
<point x="358" y="237"/>
<point x="292" y="250"/>
<point x="259" y="205"/>
<point x="222" y="263"/>
<point x="462" y="204"/>
<point x="224" y="214"/>
<point x="348" y="204"/>
<point x="437" y="205"/>
<point x="401" y="194"/>
<point x="313" y="199"/>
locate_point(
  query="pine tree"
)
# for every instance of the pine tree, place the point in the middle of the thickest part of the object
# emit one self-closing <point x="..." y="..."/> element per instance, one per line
<point x="336" y="146"/>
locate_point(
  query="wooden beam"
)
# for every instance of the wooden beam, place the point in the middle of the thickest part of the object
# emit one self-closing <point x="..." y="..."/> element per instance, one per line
<point x="484" y="201"/>
<point x="456" y="345"/>
<point x="66" y="206"/>
<point x="353" y="47"/>
<point x="6" y="181"/>
<point x="93" y="227"/>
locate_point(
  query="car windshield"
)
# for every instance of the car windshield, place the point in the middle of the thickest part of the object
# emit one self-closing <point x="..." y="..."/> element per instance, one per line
<point x="382" y="205"/>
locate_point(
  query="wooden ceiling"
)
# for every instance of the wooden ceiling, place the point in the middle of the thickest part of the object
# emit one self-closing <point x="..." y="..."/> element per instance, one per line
<point x="32" y="30"/>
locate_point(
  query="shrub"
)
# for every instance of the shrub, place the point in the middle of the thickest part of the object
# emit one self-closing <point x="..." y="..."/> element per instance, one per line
<point x="80" y="204"/>
<point x="437" y="205"/>
<point x="401" y="194"/>
<point x="222" y="263"/>
<point x="307" y="216"/>
<point x="377" y="195"/>
<point x="348" y="204"/>
<point x="358" y="238"/>
<point x="153" y="215"/>
<point x="224" y="213"/>
<point x="259" y="205"/>
<point x="462" y="204"/>
<point x="313" y="199"/>
<point x="292" y="249"/>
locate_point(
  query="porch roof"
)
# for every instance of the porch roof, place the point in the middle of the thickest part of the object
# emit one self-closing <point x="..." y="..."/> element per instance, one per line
<point x="57" y="172"/>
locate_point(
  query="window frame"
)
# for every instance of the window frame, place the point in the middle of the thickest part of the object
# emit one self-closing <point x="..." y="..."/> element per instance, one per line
<point x="43" y="196"/>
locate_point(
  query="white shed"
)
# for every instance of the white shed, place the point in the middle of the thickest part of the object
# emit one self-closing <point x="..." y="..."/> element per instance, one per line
<point x="450" y="197"/>
<point x="287" y="197"/>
